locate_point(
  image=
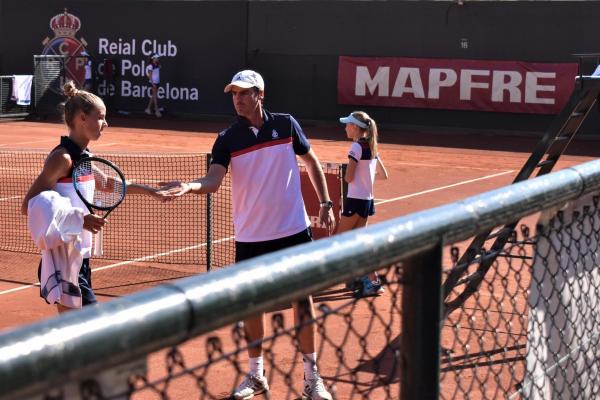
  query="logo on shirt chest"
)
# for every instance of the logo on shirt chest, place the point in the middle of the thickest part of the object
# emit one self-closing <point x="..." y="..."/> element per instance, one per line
<point x="274" y="134"/>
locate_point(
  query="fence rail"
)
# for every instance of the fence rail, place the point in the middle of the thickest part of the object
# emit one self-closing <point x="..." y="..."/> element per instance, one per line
<point x="77" y="346"/>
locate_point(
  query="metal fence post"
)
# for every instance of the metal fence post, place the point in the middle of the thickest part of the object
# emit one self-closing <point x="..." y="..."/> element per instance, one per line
<point x="209" y="221"/>
<point x="421" y="308"/>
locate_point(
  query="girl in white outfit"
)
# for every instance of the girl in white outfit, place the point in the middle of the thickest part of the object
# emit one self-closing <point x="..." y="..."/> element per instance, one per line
<point x="364" y="164"/>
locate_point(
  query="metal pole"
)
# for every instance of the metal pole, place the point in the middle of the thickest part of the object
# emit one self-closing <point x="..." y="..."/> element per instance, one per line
<point x="422" y="311"/>
<point x="209" y="221"/>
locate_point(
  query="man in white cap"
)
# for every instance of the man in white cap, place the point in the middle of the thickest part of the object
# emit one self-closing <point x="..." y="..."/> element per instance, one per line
<point x="268" y="210"/>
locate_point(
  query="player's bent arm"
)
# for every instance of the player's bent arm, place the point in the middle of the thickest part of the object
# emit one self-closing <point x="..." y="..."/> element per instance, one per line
<point x="56" y="166"/>
<point x="211" y="182"/>
<point x="316" y="175"/>
<point x="381" y="171"/>
<point x="350" y="170"/>
<point x="317" y="178"/>
<point x="136" y="188"/>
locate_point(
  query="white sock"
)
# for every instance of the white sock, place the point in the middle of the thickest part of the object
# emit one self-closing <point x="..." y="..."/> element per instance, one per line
<point x="310" y="365"/>
<point x="256" y="365"/>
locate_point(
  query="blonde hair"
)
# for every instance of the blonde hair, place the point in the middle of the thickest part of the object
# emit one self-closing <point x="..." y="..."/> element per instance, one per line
<point x="78" y="100"/>
<point x="370" y="132"/>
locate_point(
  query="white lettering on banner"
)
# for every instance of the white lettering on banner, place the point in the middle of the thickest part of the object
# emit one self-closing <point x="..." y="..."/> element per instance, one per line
<point x="106" y="89"/>
<point x="128" y="67"/>
<point x="381" y="80"/>
<point x="532" y="87"/>
<point x="401" y="87"/>
<point x="499" y="85"/>
<point x="119" y="47"/>
<point x="315" y="222"/>
<point x="167" y="91"/>
<point x="128" y="48"/>
<point x="135" y="69"/>
<point x="466" y="82"/>
<point x="436" y="81"/>
<point x="150" y="47"/>
<point x="409" y="81"/>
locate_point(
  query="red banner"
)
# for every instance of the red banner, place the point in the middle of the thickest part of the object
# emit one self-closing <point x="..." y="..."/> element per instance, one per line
<point x="311" y="201"/>
<point x="502" y="86"/>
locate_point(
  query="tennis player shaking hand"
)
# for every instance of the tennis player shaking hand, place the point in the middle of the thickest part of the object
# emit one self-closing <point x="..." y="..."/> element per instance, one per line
<point x="269" y="214"/>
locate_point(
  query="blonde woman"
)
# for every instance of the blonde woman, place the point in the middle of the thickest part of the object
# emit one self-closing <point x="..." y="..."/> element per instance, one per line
<point x="364" y="165"/>
<point x="85" y="117"/>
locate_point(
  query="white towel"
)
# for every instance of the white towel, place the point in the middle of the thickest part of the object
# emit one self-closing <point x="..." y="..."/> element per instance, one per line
<point x="21" y="89"/>
<point x="56" y="228"/>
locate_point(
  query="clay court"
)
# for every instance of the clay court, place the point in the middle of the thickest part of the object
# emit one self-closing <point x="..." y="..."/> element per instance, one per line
<point x="426" y="170"/>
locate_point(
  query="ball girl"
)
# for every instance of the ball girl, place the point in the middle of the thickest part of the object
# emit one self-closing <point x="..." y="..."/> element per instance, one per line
<point x="364" y="165"/>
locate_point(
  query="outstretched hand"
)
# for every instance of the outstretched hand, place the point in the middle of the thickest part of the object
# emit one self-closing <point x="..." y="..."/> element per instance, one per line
<point x="160" y="195"/>
<point x="173" y="189"/>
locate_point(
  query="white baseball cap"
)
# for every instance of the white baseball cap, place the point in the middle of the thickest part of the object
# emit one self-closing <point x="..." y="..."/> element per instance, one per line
<point x="246" y="79"/>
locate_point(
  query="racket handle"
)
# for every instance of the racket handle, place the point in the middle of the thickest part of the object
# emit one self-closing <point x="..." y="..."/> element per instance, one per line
<point x="98" y="250"/>
<point x="98" y="241"/>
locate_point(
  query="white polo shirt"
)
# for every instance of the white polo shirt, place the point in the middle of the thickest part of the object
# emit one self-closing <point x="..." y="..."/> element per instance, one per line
<point x="265" y="179"/>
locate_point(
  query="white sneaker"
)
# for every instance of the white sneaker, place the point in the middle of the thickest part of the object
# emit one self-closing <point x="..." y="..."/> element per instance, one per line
<point x="147" y="111"/>
<point x="314" y="389"/>
<point x="158" y="114"/>
<point x="250" y="386"/>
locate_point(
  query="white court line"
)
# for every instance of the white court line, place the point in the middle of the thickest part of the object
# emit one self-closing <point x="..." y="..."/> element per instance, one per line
<point x="106" y="144"/>
<point x="17" y="289"/>
<point x="443" y="187"/>
<point x="9" y="198"/>
<point x="30" y="142"/>
<point x="447" y="166"/>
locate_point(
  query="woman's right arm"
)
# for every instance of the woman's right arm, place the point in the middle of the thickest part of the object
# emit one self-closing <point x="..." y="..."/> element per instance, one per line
<point x="381" y="171"/>
<point x="56" y="166"/>
<point x="350" y="170"/>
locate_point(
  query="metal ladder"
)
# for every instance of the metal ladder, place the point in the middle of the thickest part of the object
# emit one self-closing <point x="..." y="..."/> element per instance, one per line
<point x="543" y="158"/>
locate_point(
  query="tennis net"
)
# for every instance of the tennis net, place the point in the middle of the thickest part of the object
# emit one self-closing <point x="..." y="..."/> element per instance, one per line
<point x="146" y="242"/>
<point x="191" y="230"/>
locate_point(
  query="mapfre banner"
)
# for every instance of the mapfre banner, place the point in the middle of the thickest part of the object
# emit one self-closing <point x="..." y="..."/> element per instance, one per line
<point x="502" y="86"/>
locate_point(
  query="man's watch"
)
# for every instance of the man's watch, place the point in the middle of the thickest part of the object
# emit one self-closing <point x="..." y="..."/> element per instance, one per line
<point x="327" y="204"/>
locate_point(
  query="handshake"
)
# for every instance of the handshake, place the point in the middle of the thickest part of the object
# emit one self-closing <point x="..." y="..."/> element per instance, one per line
<point x="170" y="190"/>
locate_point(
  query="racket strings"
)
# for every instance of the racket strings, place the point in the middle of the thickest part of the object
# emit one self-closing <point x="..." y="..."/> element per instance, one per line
<point x="106" y="184"/>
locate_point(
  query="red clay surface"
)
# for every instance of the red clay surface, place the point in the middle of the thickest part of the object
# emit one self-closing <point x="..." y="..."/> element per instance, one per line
<point x="426" y="170"/>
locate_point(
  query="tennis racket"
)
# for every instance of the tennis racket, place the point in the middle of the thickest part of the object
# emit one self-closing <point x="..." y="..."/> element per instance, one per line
<point x="101" y="186"/>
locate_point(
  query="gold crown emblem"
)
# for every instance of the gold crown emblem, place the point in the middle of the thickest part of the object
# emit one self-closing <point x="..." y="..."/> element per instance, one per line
<point x="65" y="24"/>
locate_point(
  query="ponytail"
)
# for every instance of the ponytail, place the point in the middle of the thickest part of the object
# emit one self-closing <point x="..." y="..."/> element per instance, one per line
<point x="371" y="130"/>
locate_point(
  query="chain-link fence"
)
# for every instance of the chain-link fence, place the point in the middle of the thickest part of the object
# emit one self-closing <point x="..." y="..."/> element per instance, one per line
<point x="529" y="330"/>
